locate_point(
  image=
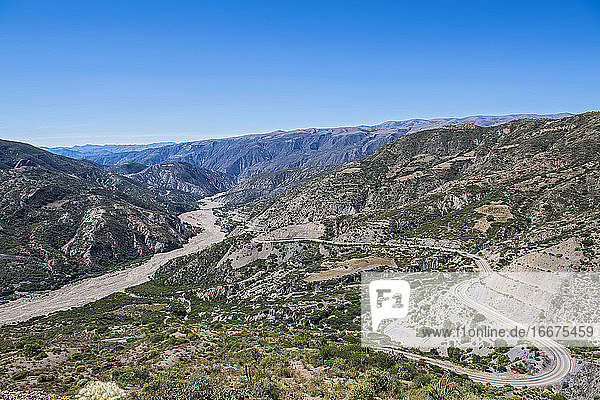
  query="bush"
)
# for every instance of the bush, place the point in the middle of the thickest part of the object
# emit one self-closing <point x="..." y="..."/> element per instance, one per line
<point x="171" y="388"/>
<point x="45" y="378"/>
<point x="587" y="242"/>
<point x="266" y="389"/>
<point x="19" y="375"/>
<point x="31" y="350"/>
<point x="360" y="391"/>
<point x="129" y="376"/>
<point x="379" y="380"/>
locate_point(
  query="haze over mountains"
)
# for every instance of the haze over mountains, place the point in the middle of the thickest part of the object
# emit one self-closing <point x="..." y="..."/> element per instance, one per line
<point x="95" y="150"/>
<point x="248" y="155"/>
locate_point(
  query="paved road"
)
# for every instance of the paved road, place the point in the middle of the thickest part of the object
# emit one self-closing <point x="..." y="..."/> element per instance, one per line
<point x="562" y="362"/>
<point x="80" y="293"/>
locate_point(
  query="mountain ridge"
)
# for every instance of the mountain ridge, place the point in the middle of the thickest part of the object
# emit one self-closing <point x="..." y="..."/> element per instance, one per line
<point x="62" y="219"/>
<point x="432" y="183"/>
<point x="87" y="150"/>
<point x="247" y="155"/>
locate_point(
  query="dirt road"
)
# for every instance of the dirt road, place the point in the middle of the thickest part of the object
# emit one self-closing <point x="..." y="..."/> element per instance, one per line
<point x="88" y="290"/>
<point x="562" y="361"/>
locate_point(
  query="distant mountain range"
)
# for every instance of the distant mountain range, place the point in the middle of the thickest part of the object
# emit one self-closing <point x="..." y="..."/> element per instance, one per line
<point x="416" y="125"/>
<point x="248" y="155"/>
<point x="89" y="151"/>
<point x="62" y="218"/>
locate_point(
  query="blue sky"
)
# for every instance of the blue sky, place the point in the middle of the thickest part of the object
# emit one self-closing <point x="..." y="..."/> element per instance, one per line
<point x="76" y="72"/>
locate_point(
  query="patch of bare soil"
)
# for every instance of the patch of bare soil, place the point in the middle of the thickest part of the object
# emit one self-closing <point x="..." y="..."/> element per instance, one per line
<point x="495" y="212"/>
<point x="564" y="256"/>
<point x="414" y="175"/>
<point x="349" y="267"/>
<point x="349" y="170"/>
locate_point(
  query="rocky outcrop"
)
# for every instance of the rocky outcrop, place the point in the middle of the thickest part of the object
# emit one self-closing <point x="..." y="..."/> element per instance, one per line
<point x="183" y="177"/>
<point x="584" y="384"/>
<point x="269" y="184"/>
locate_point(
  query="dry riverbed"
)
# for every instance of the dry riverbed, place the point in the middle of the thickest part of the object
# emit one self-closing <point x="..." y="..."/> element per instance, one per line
<point x="80" y="293"/>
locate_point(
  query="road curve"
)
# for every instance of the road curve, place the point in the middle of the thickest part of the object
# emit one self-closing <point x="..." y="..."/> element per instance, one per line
<point x="562" y="362"/>
<point x="85" y="291"/>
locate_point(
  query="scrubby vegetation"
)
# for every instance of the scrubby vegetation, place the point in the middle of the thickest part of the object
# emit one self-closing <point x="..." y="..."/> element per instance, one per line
<point x="247" y="320"/>
<point x="257" y="331"/>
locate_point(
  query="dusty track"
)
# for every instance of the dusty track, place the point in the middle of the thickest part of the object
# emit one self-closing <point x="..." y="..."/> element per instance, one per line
<point x="562" y="362"/>
<point x="92" y="289"/>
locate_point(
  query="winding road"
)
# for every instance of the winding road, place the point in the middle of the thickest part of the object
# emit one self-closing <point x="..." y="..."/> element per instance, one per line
<point x="85" y="291"/>
<point x="562" y="362"/>
<point x="88" y="290"/>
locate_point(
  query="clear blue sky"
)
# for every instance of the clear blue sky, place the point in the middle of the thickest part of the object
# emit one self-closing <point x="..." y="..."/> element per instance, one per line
<point x="86" y="71"/>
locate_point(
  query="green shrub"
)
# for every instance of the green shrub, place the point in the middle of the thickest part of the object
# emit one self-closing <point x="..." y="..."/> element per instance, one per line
<point x="171" y="388"/>
<point x="126" y="376"/>
<point x="19" y="375"/>
<point x="45" y="378"/>
<point x="360" y="391"/>
<point x="31" y="350"/>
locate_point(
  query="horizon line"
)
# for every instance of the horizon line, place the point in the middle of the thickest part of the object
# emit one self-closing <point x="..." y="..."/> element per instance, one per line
<point x="236" y="135"/>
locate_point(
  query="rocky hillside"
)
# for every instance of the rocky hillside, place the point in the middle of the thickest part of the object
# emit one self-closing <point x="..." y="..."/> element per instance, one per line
<point x="468" y="182"/>
<point x="61" y="219"/>
<point x="127" y="168"/>
<point x="269" y="184"/>
<point x="247" y="155"/>
<point x="178" y="176"/>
